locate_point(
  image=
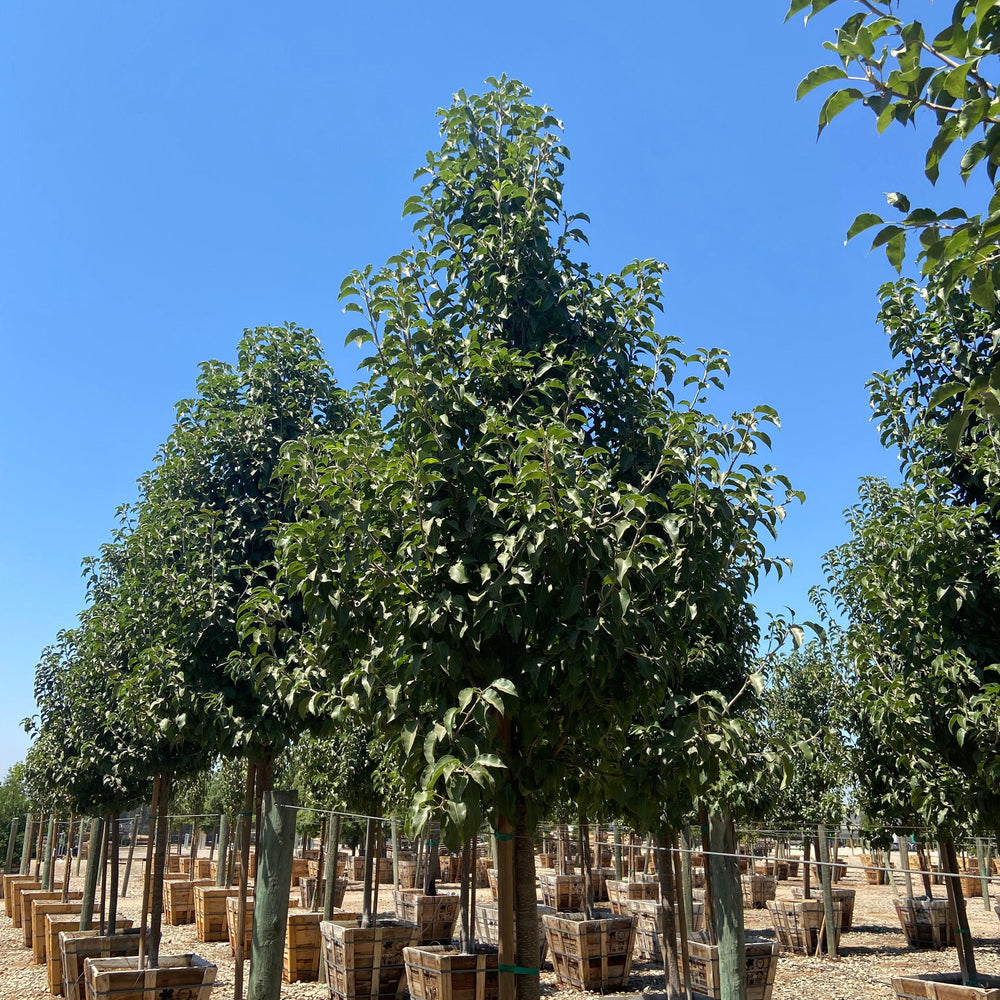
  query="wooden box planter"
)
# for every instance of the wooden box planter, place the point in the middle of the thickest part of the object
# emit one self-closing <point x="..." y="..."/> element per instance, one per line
<point x="846" y="898"/>
<point x="62" y="924"/>
<point x="77" y="946"/>
<point x="365" y="963"/>
<point x="307" y="892"/>
<point x="407" y="874"/>
<point x="493" y="876"/>
<point x="594" y="955"/>
<point x="203" y="868"/>
<point x="793" y="867"/>
<point x="16" y="890"/>
<point x="562" y="892"/>
<point x="600" y="878"/>
<point x="488" y="928"/>
<point x="839" y="871"/>
<point x="778" y="869"/>
<point x="873" y="875"/>
<point x="483" y="865"/>
<point x="972" y="888"/>
<point x="649" y="927"/>
<point x="441" y="972"/>
<point x="232" y="923"/>
<point x="304" y="944"/>
<point x="546" y="860"/>
<point x="945" y="986"/>
<point x="434" y="916"/>
<point x="28" y="900"/>
<point x="620" y="894"/>
<point x="179" y="977"/>
<point x="147" y="886"/>
<point x="799" y="924"/>
<point x="9" y="882"/>
<point x="757" y="890"/>
<point x="210" y="911"/>
<point x="383" y="869"/>
<point x="926" y="922"/>
<point x="39" y="910"/>
<point x="178" y="900"/>
<point x="761" y="965"/>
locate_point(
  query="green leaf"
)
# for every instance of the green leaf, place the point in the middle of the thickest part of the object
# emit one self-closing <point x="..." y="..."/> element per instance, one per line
<point x="813" y="79"/>
<point x="898" y="200"/>
<point x="836" y="103"/>
<point x="457" y="573"/>
<point x="864" y="221"/>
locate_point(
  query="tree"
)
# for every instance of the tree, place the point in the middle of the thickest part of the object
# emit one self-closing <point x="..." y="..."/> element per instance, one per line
<point x="13" y="803"/>
<point x="904" y="73"/>
<point x="525" y="520"/>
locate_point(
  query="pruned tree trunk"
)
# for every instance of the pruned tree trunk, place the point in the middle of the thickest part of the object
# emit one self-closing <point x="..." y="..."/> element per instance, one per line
<point x="29" y="825"/>
<point x="93" y="870"/>
<point x="148" y="874"/>
<point x="244" y="869"/>
<point x="133" y="836"/>
<point x="668" y="907"/>
<point x="366" y="895"/>
<point x="588" y="876"/>
<point x="728" y="894"/>
<point x="159" y="864"/>
<point x="115" y="858"/>
<point x="525" y="907"/>
<point x="963" y="934"/>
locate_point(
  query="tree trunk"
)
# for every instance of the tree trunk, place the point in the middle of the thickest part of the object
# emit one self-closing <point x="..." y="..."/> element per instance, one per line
<point x="366" y="897"/>
<point x="115" y="860"/>
<point x="29" y="824"/>
<point x="11" y="841"/>
<point x="525" y="907"/>
<point x="583" y="837"/>
<point x="222" y="854"/>
<point x="132" y="837"/>
<point x="686" y="926"/>
<point x="331" y="875"/>
<point x="244" y="866"/>
<point x="465" y="940"/>
<point x="274" y="874"/>
<point x="47" y="850"/>
<point x="147" y="868"/>
<point x="79" y="850"/>
<point x="963" y="935"/>
<point x="93" y="870"/>
<point x="668" y="904"/>
<point x="159" y="864"/>
<point x="709" y="875"/>
<point x="829" y="917"/>
<point x="728" y="893"/>
<point x="687" y="896"/>
<point x="318" y="894"/>
<point x="904" y="862"/>
<point x="925" y="867"/>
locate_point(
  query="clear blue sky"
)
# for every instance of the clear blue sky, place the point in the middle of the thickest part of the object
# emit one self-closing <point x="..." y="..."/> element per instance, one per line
<point x="172" y="173"/>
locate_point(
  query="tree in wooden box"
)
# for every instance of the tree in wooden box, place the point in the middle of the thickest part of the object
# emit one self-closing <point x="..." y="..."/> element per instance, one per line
<point x="760" y="969"/>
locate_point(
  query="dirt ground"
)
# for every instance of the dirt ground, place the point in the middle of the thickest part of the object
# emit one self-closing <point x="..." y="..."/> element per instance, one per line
<point x="870" y="954"/>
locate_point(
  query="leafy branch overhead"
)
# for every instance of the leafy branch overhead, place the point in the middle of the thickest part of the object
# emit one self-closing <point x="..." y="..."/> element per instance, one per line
<point x="903" y="72"/>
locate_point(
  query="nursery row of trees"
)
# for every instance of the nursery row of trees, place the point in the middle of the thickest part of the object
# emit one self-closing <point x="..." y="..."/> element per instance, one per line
<point x="519" y="556"/>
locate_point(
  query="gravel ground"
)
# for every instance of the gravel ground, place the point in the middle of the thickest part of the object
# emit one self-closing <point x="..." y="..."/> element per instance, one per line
<point x="871" y="954"/>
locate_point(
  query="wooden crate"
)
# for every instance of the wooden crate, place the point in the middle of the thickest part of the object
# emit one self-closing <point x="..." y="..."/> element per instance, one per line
<point x="442" y="972"/>
<point x="302" y="948"/>
<point x="488" y="927"/>
<point x="365" y="963"/>
<point x="873" y="874"/>
<point x="77" y="946"/>
<point x="434" y="916"/>
<point x="8" y="893"/>
<point x="493" y="877"/>
<point x="204" y="869"/>
<point x="232" y="923"/>
<point x="594" y="955"/>
<point x="926" y="922"/>
<point x="28" y="899"/>
<point x="179" y="977"/>
<point x="649" y="927"/>
<point x="61" y="924"/>
<point x="39" y="910"/>
<point x="178" y="900"/>
<point x="16" y="888"/>
<point x="757" y="890"/>
<point x="383" y="869"/>
<point x="300" y="869"/>
<point x="147" y="886"/>
<point x="483" y="865"/>
<point x="621" y="893"/>
<point x="776" y="868"/>
<point x="307" y="890"/>
<point x="799" y="922"/>
<point x="839" y="870"/>
<point x="600" y="878"/>
<point x="210" y="911"/>
<point x="562" y="892"/>
<point x="846" y="898"/>
<point x="945" y="986"/>
<point x="761" y="966"/>
<point x="407" y="873"/>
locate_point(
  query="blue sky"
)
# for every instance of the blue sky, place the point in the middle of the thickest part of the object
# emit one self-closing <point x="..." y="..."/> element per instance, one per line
<point x="173" y="173"/>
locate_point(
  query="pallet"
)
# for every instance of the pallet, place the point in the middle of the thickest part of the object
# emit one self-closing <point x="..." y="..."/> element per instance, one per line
<point x="179" y="977"/>
<point x="442" y="972"/>
<point x="594" y="955"/>
<point x="365" y="963"/>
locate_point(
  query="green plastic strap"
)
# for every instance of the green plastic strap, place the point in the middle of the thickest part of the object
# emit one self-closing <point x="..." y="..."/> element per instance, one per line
<point x="432" y="843"/>
<point x="518" y="970"/>
<point x="962" y="930"/>
<point x="503" y="836"/>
